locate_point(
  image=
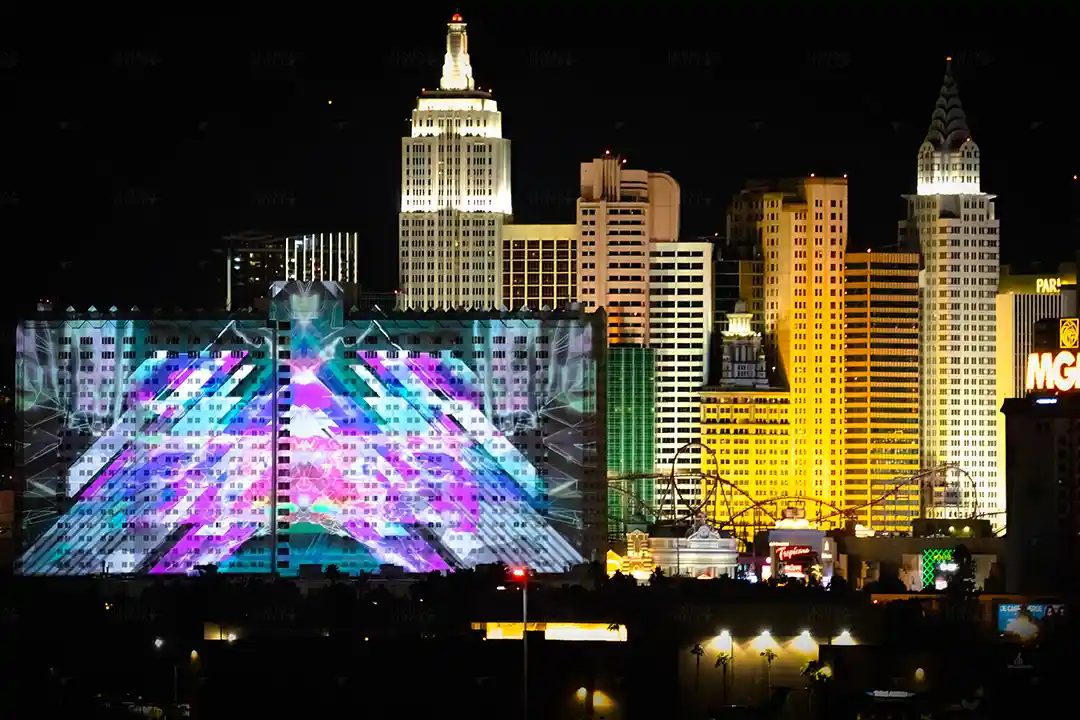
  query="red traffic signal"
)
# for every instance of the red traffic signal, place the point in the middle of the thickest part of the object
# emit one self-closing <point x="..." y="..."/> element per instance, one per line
<point x="519" y="573"/>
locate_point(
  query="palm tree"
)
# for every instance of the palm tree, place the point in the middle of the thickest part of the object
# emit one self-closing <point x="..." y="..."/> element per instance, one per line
<point x="817" y="674"/>
<point x="697" y="651"/>
<point x="769" y="656"/>
<point x="722" y="661"/>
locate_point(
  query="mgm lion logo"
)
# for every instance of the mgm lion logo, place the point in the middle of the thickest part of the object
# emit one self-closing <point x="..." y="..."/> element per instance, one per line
<point x="1069" y="334"/>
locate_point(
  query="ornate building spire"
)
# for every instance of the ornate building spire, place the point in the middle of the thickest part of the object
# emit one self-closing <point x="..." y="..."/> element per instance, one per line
<point x="457" y="70"/>
<point x="948" y="125"/>
<point x="948" y="158"/>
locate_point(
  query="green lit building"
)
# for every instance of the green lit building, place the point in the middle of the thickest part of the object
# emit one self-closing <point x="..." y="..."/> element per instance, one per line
<point x="631" y="428"/>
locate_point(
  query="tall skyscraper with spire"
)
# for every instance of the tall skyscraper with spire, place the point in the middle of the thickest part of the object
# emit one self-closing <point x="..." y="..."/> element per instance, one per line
<point x="455" y="190"/>
<point x="951" y="221"/>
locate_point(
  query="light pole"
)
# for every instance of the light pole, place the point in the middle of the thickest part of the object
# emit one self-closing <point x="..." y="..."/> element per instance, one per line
<point x="522" y="574"/>
<point x="158" y="644"/>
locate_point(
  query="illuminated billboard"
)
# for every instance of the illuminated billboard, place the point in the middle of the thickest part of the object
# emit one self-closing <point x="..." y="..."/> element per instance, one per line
<point x="427" y="441"/>
<point x="1024" y="621"/>
<point x="1058" y="370"/>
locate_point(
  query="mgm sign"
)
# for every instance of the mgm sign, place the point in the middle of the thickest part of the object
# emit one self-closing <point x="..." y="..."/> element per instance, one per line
<point x="1057" y="371"/>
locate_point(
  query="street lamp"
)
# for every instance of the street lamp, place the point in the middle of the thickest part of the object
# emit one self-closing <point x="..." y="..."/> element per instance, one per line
<point x="160" y="643"/>
<point x="520" y="574"/>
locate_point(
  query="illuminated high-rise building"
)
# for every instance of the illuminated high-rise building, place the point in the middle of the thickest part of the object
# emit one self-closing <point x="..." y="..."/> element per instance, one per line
<point x="455" y="191"/>
<point x="881" y="309"/>
<point x="1026" y="296"/>
<point x="631" y="428"/>
<point x="539" y="266"/>
<point x="620" y="211"/>
<point x="953" y="224"/>
<point x="1043" y="463"/>
<point x="745" y="430"/>
<point x="801" y="227"/>
<point x="326" y="257"/>
<point x="658" y="293"/>
<point x="253" y="260"/>
<point x="680" y="325"/>
<point x="739" y="276"/>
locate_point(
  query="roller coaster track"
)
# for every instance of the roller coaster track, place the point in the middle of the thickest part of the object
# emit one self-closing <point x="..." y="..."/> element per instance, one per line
<point x="670" y="499"/>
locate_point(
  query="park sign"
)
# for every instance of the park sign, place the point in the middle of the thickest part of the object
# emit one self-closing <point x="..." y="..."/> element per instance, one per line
<point x="1048" y="286"/>
<point x="1057" y="371"/>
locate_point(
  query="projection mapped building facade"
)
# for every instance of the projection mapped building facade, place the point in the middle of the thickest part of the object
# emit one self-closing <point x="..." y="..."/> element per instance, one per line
<point x="430" y="441"/>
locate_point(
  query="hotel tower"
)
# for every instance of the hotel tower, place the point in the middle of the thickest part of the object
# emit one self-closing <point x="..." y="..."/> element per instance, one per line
<point x="455" y="191"/>
<point x="952" y="223"/>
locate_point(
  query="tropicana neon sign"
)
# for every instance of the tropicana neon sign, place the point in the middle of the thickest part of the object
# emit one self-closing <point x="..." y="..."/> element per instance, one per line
<point x="790" y="552"/>
<point x="1047" y="371"/>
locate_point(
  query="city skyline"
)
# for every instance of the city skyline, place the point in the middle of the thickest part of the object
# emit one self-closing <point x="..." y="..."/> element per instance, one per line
<point x="658" y="285"/>
<point x="744" y="339"/>
<point x="315" y="175"/>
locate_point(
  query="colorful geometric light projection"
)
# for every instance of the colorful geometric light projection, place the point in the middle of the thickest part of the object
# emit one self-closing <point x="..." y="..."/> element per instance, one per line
<point x="429" y="443"/>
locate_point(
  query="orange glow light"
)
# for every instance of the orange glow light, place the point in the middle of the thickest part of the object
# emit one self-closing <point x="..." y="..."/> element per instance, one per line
<point x="456" y="18"/>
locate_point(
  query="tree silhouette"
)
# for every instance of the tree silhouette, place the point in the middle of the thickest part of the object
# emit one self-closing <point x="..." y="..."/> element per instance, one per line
<point x="839" y="584"/>
<point x="723" y="660"/>
<point x="962" y="584"/>
<point x="769" y="656"/>
<point x="817" y="674"/>
<point x="697" y="651"/>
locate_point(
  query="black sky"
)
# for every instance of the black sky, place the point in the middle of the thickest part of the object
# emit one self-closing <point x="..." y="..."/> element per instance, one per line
<point x="135" y="147"/>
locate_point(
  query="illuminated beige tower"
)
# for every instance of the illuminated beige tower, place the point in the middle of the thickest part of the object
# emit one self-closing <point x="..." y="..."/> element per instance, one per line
<point x="455" y="191"/>
<point x="952" y="223"/>
<point x="620" y="212"/>
<point x="658" y="293"/>
<point x="802" y="228"/>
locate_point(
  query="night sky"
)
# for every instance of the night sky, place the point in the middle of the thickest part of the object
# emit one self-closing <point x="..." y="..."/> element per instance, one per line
<point x="135" y="146"/>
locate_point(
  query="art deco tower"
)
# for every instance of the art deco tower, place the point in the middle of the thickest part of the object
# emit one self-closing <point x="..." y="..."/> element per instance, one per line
<point x="952" y="223"/>
<point x="455" y="190"/>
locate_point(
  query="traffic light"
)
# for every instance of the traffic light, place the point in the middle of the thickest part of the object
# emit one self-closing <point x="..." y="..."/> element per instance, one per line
<point x="519" y="574"/>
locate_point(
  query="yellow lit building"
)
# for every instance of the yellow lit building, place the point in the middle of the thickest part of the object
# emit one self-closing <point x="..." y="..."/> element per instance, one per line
<point x="746" y="436"/>
<point x="751" y="288"/>
<point x="881" y="308"/>
<point x="801" y="226"/>
<point x="539" y="266"/>
<point x="745" y="432"/>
